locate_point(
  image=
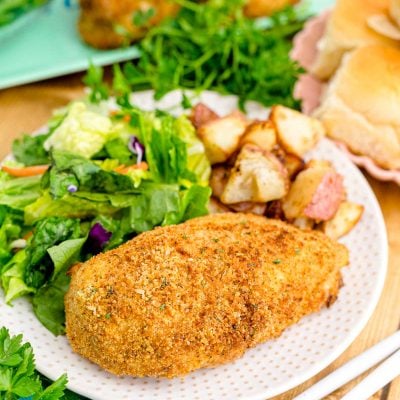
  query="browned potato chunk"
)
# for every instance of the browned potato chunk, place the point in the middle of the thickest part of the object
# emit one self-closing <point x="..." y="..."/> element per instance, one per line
<point x="316" y="193"/>
<point x="221" y="136"/>
<point x="216" y="207"/>
<point x="219" y="178"/>
<point x="261" y="134"/>
<point x="297" y="133"/>
<point x="345" y="219"/>
<point x="274" y="210"/>
<point x="248" y="207"/>
<point x="293" y="164"/>
<point x="257" y="176"/>
<point x="318" y="164"/>
<point x="201" y="114"/>
<point x="303" y="223"/>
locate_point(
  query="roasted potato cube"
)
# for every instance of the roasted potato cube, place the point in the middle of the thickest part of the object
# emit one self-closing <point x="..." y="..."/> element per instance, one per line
<point x="316" y="193"/>
<point x="257" y="176"/>
<point x="297" y="133"/>
<point x="216" y="207"/>
<point x="221" y="136"/>
<point x="201" y="114"/>
<point x="304" y="223"/>
<point x="345" y="219"/>
<point x="274" y="210"/>
<point x="261" y="134"/>
<point x="319" y="163"/>
<point x="248" y="207"/>
<point x="219" y="178"/>
<point x="293" y="164"/>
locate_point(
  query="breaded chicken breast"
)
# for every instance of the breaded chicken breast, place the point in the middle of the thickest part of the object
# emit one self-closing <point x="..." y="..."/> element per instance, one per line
<point x="198" y="294"/>
<point x="260" y="8"/>
<point x="112" y="23"/>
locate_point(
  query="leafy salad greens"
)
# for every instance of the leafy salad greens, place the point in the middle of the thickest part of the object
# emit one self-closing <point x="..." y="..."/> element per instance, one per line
<point x="94" y="180"/>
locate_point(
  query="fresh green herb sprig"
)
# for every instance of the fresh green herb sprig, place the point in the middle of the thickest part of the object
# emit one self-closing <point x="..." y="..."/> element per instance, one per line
<point x="213" y="46"/>
<point x="18" y="378"/>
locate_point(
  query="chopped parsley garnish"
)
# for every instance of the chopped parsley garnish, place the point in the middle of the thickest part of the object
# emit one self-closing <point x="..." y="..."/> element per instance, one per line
<point x="18" y="378"/>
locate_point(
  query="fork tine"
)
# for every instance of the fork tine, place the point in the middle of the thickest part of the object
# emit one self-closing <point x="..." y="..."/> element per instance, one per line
<point x="352" y="369"/>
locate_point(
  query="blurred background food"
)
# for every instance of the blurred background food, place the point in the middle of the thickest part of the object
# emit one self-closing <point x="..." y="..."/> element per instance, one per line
<point x="261" y="8"/>
<point x="11" y="10"/>
<point x="112" y="23"/>
<point x="353" y="79"/>
<point x="360" y="104"/>
<point x="348" y="29"/>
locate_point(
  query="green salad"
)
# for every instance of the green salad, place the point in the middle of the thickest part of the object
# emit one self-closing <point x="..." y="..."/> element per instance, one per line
<point x="93" y="180"/>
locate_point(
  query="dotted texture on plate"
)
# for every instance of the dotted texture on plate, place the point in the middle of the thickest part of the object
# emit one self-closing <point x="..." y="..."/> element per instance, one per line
<point x="268" y="369"/>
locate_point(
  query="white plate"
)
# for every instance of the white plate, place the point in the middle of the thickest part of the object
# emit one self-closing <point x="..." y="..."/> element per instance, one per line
<point x="269" y="369"/>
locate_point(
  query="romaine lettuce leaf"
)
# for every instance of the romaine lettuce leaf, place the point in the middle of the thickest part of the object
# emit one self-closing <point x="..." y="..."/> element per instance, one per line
<point x="162" y="204"/>
<point x="197" y="160"/>
<point x="65" y="254"/>
<point x="48" y="232"/>
<point x="166" y="152"/>
<point x="82" y="132"/>
<point x="33" y="266"/>
<point x="18" y="192"/>
<point x="48" y="304"/>
<point x="68" y="206"/>
<point x="48" y="301"/>
<point x="12" y="277"/>
<point x="11" y="222"/>
<point x="194" y="202"/>
<point x="29" y="150"/>
<point x="69" y="169"/>
<point x="117" y="149"/>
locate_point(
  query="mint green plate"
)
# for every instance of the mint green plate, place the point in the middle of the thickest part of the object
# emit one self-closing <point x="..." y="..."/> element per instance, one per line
<point x="12" y="28"/>
<point x="49" y="46"/>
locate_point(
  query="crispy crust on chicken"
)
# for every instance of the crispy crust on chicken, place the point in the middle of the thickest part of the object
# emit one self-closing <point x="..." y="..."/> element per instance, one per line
<point x="198" y="294"/>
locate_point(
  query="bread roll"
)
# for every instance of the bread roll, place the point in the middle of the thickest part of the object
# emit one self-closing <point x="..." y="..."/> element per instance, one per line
<point x="347" y="29"/>
<point x="395" y="11"/>
<point x="361" y="104"/>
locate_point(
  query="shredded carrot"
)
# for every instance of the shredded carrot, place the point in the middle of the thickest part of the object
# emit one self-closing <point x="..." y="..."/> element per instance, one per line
<point x="127" y="118"/>
<point x="25" y="171"/>
<point x="28" y="235"/>
<point x="143" y="166"/>
<point x="120" y="168"/>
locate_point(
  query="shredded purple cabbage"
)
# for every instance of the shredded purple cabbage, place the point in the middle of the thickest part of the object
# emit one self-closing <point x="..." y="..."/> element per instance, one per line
<point x="136" y="148"/>
<point x="98" y="238"/>
<point x="72" y="188"/>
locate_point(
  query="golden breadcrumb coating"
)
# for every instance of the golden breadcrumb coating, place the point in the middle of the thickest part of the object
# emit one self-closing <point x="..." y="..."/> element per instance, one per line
<point x="108" y="24"/>
<point x="198" y="294"/>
